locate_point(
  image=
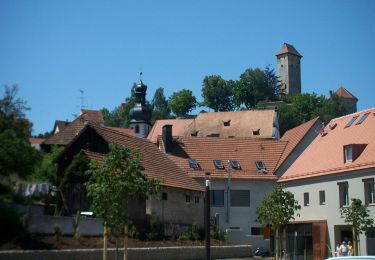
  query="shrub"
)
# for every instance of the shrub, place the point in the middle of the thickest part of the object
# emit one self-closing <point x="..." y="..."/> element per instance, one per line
<point x="57" y="232"/>
<point x="10" y="224"/>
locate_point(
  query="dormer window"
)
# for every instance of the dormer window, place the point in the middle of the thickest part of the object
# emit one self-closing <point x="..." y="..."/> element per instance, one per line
<point x="256" y="131"/>
<point x="218" y="164"/>
<point x="348" y="153"/>
<point x="227" y="123"/>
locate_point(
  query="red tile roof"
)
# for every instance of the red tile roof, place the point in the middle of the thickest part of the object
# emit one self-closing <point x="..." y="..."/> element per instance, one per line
<point x="156" y="164"/>
<point x="344" y="93"/>
<point x="36" y="141"/>
<point x="325" y="155"/>
<point x="245" y="150"/>
<point x="69" y="130"/>
<point x="241" y="124"/>
<point x="288" y="48"/>
<point x="179" y="126"/>
<point x="295" y="135"/>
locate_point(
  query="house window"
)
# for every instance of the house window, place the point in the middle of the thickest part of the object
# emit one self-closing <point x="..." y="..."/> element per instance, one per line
<point x="196" y="199"/>
<point x="343" y="194"/>
<point x="137" y="129"/>
<point x="369" y="191"/>
<point x="306" y="199"/>
<point x="255" y="231"/>
<point x="164" y="196"/>
<point x="240" y="198"/>
<point x="348" y="153"/>
<point x="217" y="198"/>
<point x="227" y="123"/>
<point x="187" y="198"/>
<point x="322" y="197"/>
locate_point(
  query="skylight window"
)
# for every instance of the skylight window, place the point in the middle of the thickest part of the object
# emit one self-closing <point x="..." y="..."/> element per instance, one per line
<point x="260" y="165"/>
<point x="351" y="121"/>
<point x="193" y="164"/>
<point x="218" y="164"/>
<point x="235" y="164"/>
<point x="227" y="123"/>
<point x="363" y="118"/>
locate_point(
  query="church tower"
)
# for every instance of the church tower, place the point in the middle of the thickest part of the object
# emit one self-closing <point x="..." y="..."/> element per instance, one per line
<point x="289" y="69"/>
<point x="140" y="114"/>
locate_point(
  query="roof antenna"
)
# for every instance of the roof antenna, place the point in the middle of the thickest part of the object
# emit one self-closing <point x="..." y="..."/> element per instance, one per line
<point x="82" y="98"/>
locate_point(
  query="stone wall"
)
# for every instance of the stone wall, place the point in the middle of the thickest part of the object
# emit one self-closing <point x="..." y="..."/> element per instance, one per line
<point x="165" y="253"/>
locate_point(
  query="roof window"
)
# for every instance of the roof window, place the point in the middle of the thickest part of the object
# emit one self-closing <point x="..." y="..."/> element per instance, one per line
<point x="235" y="164"/>
<point x="260" y="165"/>
<point x="218" y="164"/>
<point x="363" y="118"/>
<point x="193" y="164"/>
<point x="351" y="121"/>
<point x="227" y="123"/>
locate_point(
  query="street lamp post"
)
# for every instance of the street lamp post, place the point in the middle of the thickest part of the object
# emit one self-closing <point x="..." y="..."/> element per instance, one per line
<point x="207" y="216"/>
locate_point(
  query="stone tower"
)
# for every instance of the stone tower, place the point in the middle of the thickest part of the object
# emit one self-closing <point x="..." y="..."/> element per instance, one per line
<point x="348" y="98"/>
<point x="140" y="114"/>
<point x="289" y="69"/>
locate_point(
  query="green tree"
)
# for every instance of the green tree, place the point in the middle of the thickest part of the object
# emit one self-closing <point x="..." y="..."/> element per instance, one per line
<point x="277" y="209"/>
<point x="46" y="169"/>
<point x="16" y="154"/>
<point x="217" y="93"/>
<point x="159" y="104"/>
<point x="304" y="107"/>
<point x="182" y="102"/>
<point x="119" y="116"/>
<point x="357" y="215"/>
<point x="254" y="86"/>
<point x="121" y="175"/>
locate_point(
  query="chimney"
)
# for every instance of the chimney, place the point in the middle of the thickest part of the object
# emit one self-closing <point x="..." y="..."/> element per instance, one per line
<point x="167" y="138"/>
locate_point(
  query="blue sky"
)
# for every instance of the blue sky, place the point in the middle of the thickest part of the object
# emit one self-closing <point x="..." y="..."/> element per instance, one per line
<point x="52" y="49"/>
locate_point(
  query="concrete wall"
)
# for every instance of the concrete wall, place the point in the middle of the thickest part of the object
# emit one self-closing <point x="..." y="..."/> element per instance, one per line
<point x="242" y="218"/>
<point x="330" y="211"/>
<point x="175" y="209"/>
<point x="44" y="225"/>
<point x="164" y="253"/>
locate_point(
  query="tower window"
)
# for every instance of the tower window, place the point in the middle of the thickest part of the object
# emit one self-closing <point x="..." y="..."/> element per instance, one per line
<point x="136" y="130"/>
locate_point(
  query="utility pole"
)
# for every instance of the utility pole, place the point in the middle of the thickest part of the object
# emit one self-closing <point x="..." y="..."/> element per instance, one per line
<point x="207" y="222"/>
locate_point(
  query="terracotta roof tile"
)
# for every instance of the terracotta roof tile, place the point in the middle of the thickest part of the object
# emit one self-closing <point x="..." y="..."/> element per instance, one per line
<point x="179" y="126"/>
<point x="70" y="130"/>
<point x="35" y="141"/>
<point x="240" y="124"/>
<point x="325" y="155"/>
<point x="344" y="93"/>
<point x="245" y="150"/>
<point x="288" y="48"/>
<point x="294" y="137"/>
<point x="156" y="164"/>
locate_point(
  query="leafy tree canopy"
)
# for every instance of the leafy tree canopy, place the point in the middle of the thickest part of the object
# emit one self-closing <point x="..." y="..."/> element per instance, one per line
<point x="121" y="175"/>
<point x="278" y="208"/>
<point x="217" y="93"/>
<point x="16" y="154"/>
<point x="254" y="85"/>
<point x="160" y="109"/>
<point x="182" y="102"/>
<point x="46" y="169"/>
<point x="301" y="108"/>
